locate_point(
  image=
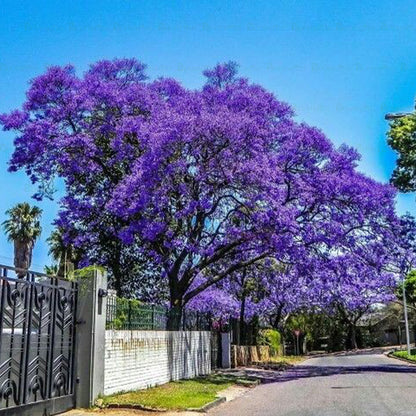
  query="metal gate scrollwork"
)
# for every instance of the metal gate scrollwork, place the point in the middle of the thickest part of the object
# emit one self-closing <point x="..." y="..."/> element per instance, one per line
<point x="37" y="338"/>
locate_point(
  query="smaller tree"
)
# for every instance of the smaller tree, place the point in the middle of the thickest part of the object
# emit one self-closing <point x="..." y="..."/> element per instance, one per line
<point x="23" y="229"/>
<point x="63" y="253"/>
<point x="51" y="270"/>
<point x="402" y="139"/>
<point x="410" y="288"/>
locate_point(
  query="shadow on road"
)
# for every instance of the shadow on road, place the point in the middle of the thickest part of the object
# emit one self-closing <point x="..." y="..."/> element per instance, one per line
<point x="322" y="371"/>
<point x="367" y="351"/>
<point x="309" y="371"/>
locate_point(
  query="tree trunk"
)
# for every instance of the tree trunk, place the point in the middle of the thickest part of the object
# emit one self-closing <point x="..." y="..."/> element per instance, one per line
<point x="22" y="257"/>
<point x="61" y="269"/>
<point x="175" y="317"/>
<point x="280" y="326"/>
<point x="353" y="332"/>
<point x="176" y="294"/>
<point x="243" y="331"/>
<point x="414" y="333"/>
<point x="117" y="284"/>
<point x="64" y="265"/>
<point x="116" y="277"/>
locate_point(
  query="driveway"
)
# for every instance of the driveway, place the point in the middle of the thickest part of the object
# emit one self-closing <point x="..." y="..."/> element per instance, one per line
<point x="364" y="384"/>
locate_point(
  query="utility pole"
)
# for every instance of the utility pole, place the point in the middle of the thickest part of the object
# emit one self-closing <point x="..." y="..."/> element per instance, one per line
<point x="297" y="347"/>
<point x="406" y="321"/>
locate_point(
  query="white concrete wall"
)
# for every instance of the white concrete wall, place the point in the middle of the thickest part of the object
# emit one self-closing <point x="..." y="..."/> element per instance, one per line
<point x="140" y="359"/>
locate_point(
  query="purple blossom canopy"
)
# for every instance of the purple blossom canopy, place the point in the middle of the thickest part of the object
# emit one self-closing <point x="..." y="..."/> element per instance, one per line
<point x="204" y="182"/>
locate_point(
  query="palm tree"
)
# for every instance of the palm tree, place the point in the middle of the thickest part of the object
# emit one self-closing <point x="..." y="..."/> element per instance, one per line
<point x="23" y="228"/>
<point x="63" y="253"/>
<point x="51" y="270"/>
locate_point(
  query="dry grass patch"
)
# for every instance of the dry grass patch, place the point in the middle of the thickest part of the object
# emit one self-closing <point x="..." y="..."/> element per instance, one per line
<point x="288" y="359"/>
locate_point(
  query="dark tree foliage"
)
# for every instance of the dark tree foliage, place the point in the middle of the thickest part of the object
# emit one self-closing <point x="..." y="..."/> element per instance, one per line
<point x="402" y="139"/>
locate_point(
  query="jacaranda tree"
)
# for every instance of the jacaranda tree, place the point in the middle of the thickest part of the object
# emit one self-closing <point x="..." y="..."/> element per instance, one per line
<point x="354" y="289"/>
<point x="201" y="182"/>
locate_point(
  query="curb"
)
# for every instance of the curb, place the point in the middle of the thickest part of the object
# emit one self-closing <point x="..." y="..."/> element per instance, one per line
<point x="248" y="384"/>
<point x="207" y="406"/>
<point x="135" y="407"/>
<point x="202" y="409"/>
<point x="272" y="366"/>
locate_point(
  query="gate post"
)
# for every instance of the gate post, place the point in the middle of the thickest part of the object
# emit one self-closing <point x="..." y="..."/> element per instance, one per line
<point x="226" y="350"/>
<point x="90" y="337"/>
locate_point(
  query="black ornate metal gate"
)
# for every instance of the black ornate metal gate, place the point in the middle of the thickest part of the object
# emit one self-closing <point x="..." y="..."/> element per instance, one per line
<point x="37" y="336"/>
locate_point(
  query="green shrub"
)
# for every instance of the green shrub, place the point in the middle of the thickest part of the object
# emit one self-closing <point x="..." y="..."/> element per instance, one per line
<point x="404" y="354"/>
<point x="128" y="312"/>
<point x="85" y="273"/>
<point x="271" y="338"/>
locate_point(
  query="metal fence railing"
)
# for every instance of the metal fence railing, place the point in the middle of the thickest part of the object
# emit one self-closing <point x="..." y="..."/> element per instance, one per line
<point x="131" y="314"/>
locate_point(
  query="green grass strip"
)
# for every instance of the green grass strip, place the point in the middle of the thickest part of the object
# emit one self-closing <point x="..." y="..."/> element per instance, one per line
<point x="177" y="395"/>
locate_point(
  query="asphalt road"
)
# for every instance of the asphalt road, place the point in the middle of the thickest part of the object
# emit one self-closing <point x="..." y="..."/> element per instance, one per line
<point x="350" y="385"/>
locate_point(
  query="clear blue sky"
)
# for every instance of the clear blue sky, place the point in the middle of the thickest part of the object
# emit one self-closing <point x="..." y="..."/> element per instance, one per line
<point x="342" y="65"/>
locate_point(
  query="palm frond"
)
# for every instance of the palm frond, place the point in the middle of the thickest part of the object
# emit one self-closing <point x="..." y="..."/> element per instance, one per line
<point x="23" y="223"/>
